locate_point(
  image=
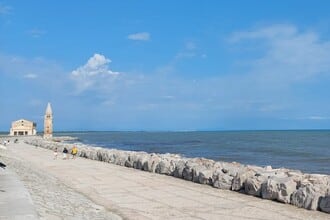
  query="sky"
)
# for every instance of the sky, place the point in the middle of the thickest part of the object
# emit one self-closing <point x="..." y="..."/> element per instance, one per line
<point x="166" y="65"/>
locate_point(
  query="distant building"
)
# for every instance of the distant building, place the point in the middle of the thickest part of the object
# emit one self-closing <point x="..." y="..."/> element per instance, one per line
<point x="48" y="122"/>
<point x="23" y="127"/>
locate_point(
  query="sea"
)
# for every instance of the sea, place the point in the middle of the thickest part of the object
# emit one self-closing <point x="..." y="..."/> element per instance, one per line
<point x="305" y="150"/>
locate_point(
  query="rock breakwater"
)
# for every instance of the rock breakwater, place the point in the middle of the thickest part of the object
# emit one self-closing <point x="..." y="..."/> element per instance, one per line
<point x="309" y="191"/>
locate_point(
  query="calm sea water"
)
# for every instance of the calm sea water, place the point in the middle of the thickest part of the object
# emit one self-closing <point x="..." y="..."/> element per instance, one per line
<point x="308" y="151"/>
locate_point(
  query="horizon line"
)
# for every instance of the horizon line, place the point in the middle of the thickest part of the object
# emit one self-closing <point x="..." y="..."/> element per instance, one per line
<point x="197" y="130"/>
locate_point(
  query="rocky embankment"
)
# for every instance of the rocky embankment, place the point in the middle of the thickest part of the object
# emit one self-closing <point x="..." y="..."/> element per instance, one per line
<point x="309" y="191"/>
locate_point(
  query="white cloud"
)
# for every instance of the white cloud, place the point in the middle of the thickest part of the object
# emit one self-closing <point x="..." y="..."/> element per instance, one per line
<point x="30" y="76"/>
<point x="287" y="64"/>
<point x="289" y="55"/>
<point x="142" y="36"/>
<point x="95" y="74"/>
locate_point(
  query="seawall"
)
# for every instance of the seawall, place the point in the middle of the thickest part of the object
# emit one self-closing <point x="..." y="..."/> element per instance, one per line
<point x="309" y="191"/>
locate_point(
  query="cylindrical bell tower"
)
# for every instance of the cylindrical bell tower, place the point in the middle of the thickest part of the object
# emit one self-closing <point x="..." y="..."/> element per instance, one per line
<point x="48" y="122"/>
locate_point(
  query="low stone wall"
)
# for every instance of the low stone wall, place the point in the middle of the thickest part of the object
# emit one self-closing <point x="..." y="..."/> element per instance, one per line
<point x="309" y="191"/>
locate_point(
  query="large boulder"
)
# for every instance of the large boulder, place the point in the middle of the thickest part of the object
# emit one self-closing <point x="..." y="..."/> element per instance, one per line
<point x="231" y="169"/>
<point x="252" y="185"/>
<point x="188" y="171"/>
<point x="101" y="154"/>
<point x="105" y="155"/>
<point x="240" y="178"/>
<point x="279" y="189"/>
<point x="196" y="170"/>
<point x="165" y="166"/>
<point x="152" y="162"/>
<point x="141" y="159"/>
<point x="222" y="180"/>
<point x="206" y="176"/>
<point x="111" y="156"/>
<point x="307" y="197"/>
<point x="179" y="166"/>
<point x="120" y="158"/>
<point x="325" y="204"/>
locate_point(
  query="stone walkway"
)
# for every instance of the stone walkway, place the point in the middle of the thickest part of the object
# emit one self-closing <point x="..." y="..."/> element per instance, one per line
<point x="135" y="194"/>
<point x="15" y="200"/>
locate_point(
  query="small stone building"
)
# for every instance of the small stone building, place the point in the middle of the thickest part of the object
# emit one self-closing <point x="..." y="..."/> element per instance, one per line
<point x="23" y="127"/>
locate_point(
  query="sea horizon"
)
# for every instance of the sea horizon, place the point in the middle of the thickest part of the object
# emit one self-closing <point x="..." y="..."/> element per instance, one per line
<point x="197" y="130"/>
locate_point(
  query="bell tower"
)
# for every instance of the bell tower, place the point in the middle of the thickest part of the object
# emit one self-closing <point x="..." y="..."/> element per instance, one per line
<point x="48" y="122"/>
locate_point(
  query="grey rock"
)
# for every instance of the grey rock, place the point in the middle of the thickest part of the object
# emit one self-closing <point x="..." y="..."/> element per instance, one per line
<point x="196" y="172"/>
<point x="151" y="164"/>
<point x="306" y="197"/>
<point x="142" y="158"/>
<point x="179" y="166"/>
<point x="231" y="169"/>
<point x="222" y="180"/>
<point x="240" y="178"/>
<point x="205" y="177"/>
<point x="279" y="189"/>
<point x="187" y="172"/>
<point x="325" y="204"/>
<point x="164" y="167"/>
<point x="252" y="185"/>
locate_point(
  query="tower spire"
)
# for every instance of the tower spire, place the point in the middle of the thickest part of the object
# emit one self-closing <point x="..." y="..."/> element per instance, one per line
<point x="48" y="122"/>
<point x="49" y="109"/>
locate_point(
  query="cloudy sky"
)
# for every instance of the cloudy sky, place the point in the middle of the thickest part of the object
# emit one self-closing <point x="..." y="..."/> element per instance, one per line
<point x="171" y="65"/>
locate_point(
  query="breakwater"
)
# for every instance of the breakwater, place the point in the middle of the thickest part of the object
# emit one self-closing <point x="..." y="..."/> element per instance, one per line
<point x="309" y="191"/>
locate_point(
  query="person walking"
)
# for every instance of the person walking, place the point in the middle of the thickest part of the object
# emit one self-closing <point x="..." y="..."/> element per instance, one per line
<point x="74" y="152"/>
<point x="55" y="153"/>
<point x="65" y="151"/>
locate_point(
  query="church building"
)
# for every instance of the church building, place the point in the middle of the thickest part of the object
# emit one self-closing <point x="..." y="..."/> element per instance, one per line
<point x="23" y="127"/>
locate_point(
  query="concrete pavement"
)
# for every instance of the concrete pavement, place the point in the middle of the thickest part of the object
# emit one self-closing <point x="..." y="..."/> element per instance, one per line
<point x="15" y="200"/>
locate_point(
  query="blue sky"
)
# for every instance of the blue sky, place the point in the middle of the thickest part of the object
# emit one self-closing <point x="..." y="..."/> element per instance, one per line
<point x="171" y="65"/>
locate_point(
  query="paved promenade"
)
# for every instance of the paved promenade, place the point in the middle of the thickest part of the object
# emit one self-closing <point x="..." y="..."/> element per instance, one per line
<point x="15" y="200"/>
<point x="134" y="194"/>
